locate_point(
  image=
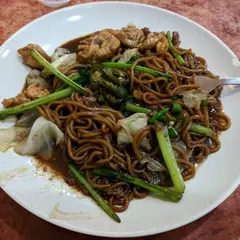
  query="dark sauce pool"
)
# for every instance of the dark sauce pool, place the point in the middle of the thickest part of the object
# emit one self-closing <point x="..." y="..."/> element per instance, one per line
<point x="58" y="165"/>
<point x="72" y="45"/>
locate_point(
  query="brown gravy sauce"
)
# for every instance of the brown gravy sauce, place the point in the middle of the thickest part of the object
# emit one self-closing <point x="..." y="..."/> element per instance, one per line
<point x="72" y="44"/>
<point x="57" y="165"/>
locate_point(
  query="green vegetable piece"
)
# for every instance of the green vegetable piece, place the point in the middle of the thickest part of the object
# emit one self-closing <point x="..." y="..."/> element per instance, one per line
<point x="55" y="72"/>
<point x="102" y="203"/>
<point x="35" y="103"/>
<point x="164" y="192"/>
<point x="112" y="101"/>
<point x="177" y="56"/>
<point x="101" y="99"/>
<point x="136" y="109"/>
<point x="96" y="75"/>
<point x="169" y="158"/>
<point x="205" y="131"/>
<point x="158" y="116"/>
<point x="176" y="108"/>
<point x="117" y="76"/>
<point x="137" y="68"/>
<point x="174" y="97"/>
<point x="172" y="132"/>
<point x="119" y="92"/>
<point x="76" y="78"/>
<point x="204" y="103"/>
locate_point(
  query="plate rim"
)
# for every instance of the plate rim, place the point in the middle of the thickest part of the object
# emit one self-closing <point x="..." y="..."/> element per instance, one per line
<point x="92" y="232"/>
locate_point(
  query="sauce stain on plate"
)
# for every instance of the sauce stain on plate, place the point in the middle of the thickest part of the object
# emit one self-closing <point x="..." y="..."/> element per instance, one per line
<point x="58" y="214"/>
<point x="9" y="175"/>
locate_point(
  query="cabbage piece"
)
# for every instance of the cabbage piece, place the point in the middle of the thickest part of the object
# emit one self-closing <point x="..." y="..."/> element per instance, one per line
<point x="129" y="127"/>
<point x="181" y="145"/>
<point x="123" y="137"/>
<point x="35" y="76"/>
<point x="193" y="98"/>
<point x="144" y="143"/>
<point x="27" y="119"/>
<point x="44" y="134"/>
<point x="11" y="136"/>
<point x="152" y="164"/>
<point x="134" y="123"/>
<point x="157" y="177"/>
<point x="127" y="55"/>
<point x="8" y="122"/>
<point x="155" y="166"/>
<point x="59" y="52"/>
<point x="62" y="63"/>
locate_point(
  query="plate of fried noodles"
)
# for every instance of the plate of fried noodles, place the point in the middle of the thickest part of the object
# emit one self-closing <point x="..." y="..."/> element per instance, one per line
<point x="104" y="128"/>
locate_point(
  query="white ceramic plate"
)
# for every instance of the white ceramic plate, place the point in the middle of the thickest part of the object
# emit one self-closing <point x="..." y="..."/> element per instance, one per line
<point x="53" y="200"/>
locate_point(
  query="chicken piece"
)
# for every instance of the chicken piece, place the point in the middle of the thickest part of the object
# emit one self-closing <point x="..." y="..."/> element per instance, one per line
<point x="151" y="41"/>
<point x="28" y="59"/>
<point x="162" y="45"/>
<point x="14" y="101"/>
<point x="98" y="47"/>
<point x="130" y="36"/>
<point x="35" y="90"/>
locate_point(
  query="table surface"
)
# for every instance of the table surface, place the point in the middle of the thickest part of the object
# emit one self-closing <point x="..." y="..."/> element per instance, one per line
<point x="222" y="18"/>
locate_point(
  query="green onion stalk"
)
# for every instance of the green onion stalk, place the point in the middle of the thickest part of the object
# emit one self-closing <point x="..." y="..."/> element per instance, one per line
<point x="35" y="103"/>
<point x="137" y="68"/>
<point x="171" y="47"/>
<point x="169" y="158"/>
<point x="205" y="131"/>
<point x="101" y="202"/>
<point x="57" y="73"/>
<point x="163" y="192"/>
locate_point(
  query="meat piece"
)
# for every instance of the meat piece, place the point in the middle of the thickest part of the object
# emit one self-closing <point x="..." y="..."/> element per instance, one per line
<point x="130" y="36"/>
<point x="36" y="90"/>
<point x="14" y="101"/>
<point x="28" y="59"/>
<point x="151" y="41"/>
<point x="88" y="101"/>
<point x="98" y="47"/>
<point x="146" y="31"/>
<point x="175" y="38"/>
<point x="162" y="45"/>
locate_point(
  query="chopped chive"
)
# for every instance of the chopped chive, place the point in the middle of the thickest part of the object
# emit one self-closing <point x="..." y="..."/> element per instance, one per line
<point x="164" y="192"/>
<point x="158" y="116"/>
<point x="102" y="203"/>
